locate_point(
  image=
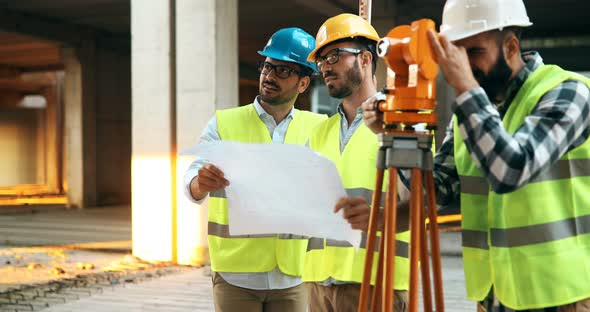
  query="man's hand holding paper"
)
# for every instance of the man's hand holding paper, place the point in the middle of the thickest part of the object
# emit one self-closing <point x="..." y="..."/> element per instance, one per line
<point x="280" y="189"/>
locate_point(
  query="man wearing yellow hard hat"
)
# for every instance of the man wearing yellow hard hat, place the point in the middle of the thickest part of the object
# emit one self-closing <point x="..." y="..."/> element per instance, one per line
<point x="517" y="154"/>
<point x="346" y="58"/>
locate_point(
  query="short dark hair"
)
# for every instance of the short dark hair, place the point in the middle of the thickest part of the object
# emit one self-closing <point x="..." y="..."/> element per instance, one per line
<point x="502" y="34"/>
<point x="305" y="71"/>
<point x="362" y="43"/>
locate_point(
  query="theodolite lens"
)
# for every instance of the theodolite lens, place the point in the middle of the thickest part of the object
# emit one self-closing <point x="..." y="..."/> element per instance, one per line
<point x="383" y="47"/>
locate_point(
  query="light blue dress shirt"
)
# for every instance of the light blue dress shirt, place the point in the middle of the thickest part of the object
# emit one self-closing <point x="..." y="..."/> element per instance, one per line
<point x="346" y="132"/>
<point x="274" y="279"/>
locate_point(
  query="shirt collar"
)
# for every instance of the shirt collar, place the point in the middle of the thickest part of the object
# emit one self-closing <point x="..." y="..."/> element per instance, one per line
<point x="262" y="113"/>
<point x="340" y="110"/>
<point x="532" y="61"/>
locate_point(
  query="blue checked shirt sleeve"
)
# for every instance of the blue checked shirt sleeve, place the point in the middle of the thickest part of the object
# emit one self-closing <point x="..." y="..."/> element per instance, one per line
<point x="446" y="178"/>
<point x="556" y="125"/>
<point x="209" y="134"/>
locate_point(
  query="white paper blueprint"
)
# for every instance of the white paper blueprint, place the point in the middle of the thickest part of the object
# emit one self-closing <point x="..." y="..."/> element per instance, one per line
<point x="279" y="188"/>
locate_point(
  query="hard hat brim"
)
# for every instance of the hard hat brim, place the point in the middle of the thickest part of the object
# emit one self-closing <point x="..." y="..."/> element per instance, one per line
<point x="312" y="55"/>
<point x="456" y="35"/>
<point x="281" y="57"/>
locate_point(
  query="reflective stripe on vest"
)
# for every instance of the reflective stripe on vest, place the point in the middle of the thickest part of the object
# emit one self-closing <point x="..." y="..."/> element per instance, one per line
<point x="562" y="169"/>
<point x="538" y="234"/>
<point x="527" y="235"/>
<point x="475" y="239"/>
<point x="357" y="168"/>
<point x="401" y="248"/>
<point x="254" y="253"/>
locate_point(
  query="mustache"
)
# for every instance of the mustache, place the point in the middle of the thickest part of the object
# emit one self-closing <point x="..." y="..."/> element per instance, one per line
<point x="270" y="83"/>
<point x="329" y="74"/>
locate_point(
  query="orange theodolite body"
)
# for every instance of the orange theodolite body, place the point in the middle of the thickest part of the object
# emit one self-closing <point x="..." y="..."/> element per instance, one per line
<point x="411" y="88"/>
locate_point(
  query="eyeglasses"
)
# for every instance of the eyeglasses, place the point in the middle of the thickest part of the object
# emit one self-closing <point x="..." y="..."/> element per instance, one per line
<point x="333" y="56"/>
<point x="281" y="71"/>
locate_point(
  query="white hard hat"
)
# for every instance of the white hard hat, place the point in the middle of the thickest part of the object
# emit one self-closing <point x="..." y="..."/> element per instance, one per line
<point x="465" y="18"/>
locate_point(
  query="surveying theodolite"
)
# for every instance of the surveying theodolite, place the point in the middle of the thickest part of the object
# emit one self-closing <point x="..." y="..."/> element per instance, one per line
<point x="410" y="100"/>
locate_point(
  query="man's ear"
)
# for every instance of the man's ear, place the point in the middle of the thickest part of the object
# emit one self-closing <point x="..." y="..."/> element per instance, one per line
<point x="367" y="58"/>
<point x="303" y="84"/>
<point x="511" y="46"/>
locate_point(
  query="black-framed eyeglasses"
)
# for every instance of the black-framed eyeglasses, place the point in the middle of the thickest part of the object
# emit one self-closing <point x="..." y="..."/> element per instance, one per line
<point x="333" y="56"/>
<point x="281" y="71"/>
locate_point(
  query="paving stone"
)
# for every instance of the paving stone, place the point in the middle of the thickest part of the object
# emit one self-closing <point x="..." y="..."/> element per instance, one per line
<point x="37" y="305"/>
<point x="49" y="301"/>
<point x="19" y="307"/>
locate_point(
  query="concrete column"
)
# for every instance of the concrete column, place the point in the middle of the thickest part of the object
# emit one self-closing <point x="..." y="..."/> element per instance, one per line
<point x="153" y="130"/>
<point x="207" y="79"/>
<point x="80" y="125"/>
<point x="184" y="67"/>
<point x="52" y="135"/>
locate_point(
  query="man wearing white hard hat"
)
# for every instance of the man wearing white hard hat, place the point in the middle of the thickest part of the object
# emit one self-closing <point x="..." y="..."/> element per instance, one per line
<point x="517" y="156"/>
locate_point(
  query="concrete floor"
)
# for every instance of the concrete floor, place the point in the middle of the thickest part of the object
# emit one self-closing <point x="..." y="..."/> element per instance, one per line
<point x="59" y="227"/>
<point x="191" y="291"/>
<point x="187" y="290"/>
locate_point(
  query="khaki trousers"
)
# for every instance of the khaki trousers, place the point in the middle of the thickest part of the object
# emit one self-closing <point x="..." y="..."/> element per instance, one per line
<point x="344" y="298"/>
<point x="230" y="298"/>
<point x="491" y="304"/>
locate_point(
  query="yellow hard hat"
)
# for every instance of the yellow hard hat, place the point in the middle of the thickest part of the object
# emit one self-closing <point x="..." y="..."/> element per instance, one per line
<point x="340" y="27"/>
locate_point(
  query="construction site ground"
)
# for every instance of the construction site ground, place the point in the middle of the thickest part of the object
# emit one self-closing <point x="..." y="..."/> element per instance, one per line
<point x="80" y="260"/>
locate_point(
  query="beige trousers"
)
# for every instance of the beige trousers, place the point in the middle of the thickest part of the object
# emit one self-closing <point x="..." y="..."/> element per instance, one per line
<point x="230" y="298"/>
<point x="344" y="298"/>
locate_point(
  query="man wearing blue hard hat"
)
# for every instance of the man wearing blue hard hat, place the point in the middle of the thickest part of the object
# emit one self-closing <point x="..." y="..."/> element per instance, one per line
<point x="260" y="273"/>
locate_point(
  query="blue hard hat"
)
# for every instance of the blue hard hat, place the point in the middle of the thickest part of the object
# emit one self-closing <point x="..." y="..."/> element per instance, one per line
<point x="290" y="45"/>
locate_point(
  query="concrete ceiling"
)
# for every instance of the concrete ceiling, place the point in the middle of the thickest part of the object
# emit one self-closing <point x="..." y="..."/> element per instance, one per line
<point x="564" y="22"/>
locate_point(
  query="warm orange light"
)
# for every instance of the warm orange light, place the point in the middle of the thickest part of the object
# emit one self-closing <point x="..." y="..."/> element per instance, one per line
<point x="152" y="208"/>
<point x="33" y="200"/>
<point x="191" y="222"/>
<point x="446" y="219"/>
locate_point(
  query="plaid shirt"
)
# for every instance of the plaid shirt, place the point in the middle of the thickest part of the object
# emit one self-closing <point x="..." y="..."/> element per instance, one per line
<point x="559" y="123"/>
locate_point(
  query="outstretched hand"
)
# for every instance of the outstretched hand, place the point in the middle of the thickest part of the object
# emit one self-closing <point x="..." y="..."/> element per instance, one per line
<point x="373" y="119"/>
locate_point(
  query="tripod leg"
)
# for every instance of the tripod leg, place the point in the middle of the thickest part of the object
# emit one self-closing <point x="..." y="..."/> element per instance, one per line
<point x="424" y="263"/>
<point x="415" y="205"/>
<point x="389" y="236"/>
<point x="371" y="237"/>
<point x="434" y="243"/>
<point x="377" y="291"/>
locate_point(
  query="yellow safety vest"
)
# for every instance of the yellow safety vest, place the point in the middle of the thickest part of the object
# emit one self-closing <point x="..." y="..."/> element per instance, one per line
<point x="533" y="244"/>
<point x="254" y="253"/>
<point x="357" y="168"/>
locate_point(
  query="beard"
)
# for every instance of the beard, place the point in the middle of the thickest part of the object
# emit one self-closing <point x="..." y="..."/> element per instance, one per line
<point x="277" y="98"/>
<point x="496" y="81"/>
<point x="353" y="78"/>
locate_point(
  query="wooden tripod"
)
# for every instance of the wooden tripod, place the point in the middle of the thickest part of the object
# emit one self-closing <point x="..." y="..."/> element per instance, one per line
<point x="403" y="150"/>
